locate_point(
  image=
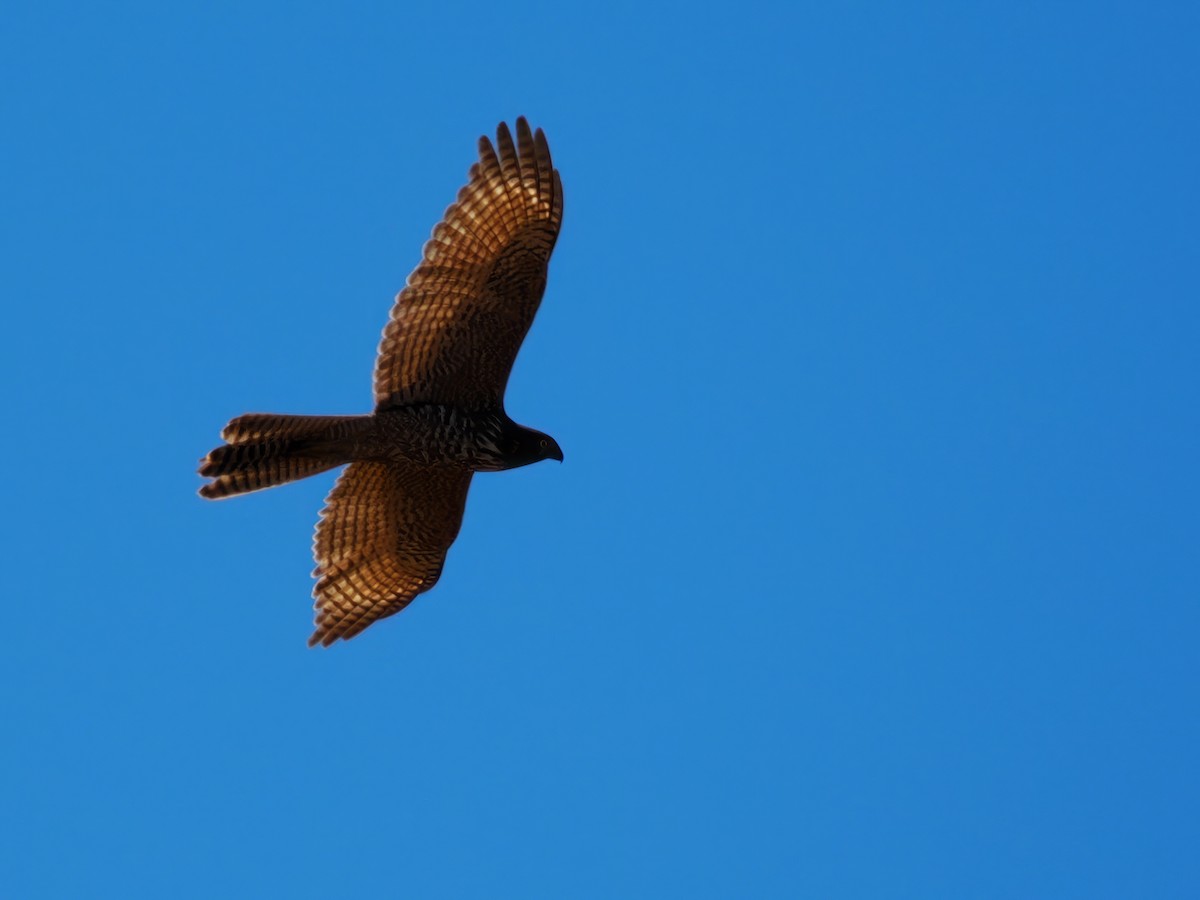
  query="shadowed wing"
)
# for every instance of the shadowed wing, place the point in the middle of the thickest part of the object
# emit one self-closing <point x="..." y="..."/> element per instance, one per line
<point x="456" y="327"/>
<point x="382" y="540"/>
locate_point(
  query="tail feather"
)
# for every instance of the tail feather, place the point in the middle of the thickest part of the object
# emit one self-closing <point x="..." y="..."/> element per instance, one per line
<point x="266" y="450"/>
<point x="258" y="426"/>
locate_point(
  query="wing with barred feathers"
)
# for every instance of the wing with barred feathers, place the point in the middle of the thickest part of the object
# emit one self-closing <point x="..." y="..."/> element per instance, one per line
<point x="382" y="539"/>
<point x="455" y="329"/>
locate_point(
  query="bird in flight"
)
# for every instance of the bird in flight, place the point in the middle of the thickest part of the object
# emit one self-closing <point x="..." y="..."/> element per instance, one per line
<point x="443" y="363"/>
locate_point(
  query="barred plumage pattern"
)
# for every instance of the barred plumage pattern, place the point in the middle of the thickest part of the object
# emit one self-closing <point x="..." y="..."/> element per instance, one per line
<point x="255" y="426"/>
<point x="456" y="327"/>
<point x="382" y="539"/>
<point x="265" y="450"/>
<point x="443" y="364"/>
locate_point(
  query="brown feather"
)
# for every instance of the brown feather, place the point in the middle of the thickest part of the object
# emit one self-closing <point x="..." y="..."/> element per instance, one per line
<point x="457" y="326"/>
<point x="382" y="539"/>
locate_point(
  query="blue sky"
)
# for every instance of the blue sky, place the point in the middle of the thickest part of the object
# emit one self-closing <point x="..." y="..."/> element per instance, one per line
<point x="870" y="341"/>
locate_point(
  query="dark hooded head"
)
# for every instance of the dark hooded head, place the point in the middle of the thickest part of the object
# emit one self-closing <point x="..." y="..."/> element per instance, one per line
<point x="528" y="446"/>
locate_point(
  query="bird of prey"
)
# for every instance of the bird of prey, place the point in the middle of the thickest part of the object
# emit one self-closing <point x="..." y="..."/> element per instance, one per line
<point x="439" y="418"/>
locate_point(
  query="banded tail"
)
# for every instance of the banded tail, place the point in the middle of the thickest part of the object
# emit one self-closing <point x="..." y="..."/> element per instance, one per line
<point x="263" y="450"/>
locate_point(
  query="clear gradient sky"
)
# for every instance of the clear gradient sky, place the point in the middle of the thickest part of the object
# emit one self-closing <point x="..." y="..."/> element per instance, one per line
<point x="871" y="341"/>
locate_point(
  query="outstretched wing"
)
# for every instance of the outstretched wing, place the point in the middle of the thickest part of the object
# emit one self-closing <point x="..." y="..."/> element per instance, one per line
<point x="382" y="539"/>
<point x="456" y="327"/>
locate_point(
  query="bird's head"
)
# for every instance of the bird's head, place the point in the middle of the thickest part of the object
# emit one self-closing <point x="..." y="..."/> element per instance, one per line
<point x="529" y="446"/>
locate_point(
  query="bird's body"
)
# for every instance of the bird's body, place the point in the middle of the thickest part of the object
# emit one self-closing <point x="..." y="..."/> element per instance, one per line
<point x="439" y="389"/>
<point x="435" y="434"/>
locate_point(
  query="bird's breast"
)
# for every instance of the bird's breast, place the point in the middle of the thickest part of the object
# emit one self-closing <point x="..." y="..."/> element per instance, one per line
<point x="432" y="434"/>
